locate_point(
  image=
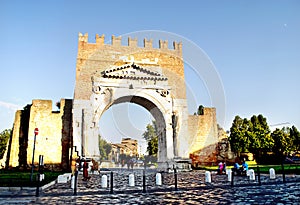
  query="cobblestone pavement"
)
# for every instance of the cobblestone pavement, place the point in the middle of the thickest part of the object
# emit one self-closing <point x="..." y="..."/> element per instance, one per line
<point x="192" y="189"/>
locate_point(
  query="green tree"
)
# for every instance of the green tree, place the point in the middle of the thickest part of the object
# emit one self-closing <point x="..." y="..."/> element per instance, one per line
<point x="238" y="138"/>
<point x="150" y="131"/>
<point x="252" y="135"/>
<point x="281" y="141"/>
<point x="259" y="135"/>
<point x="200" y="110"/>
<point x="152" y="147"/>
<point x="4" y="137"/>
<point x="104" y="148"/>
<point x="295" y="138"/>
<point x="151" y="136"/>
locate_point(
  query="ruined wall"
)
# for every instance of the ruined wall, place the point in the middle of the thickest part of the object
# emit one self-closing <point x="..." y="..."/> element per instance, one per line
<point x="203" y="131"/>
<point x="50" y="137"/>
<point x="14" y="146"/>
<point x="48" y="141"/>
<point x="54" y="138"/>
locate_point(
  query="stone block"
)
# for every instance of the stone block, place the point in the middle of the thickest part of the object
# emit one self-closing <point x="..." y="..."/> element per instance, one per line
<point x="62" y="179"/>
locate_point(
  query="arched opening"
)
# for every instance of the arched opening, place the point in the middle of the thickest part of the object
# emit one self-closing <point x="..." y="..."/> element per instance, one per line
<point x="120" y="122"/>
<point x="148" y="107"/>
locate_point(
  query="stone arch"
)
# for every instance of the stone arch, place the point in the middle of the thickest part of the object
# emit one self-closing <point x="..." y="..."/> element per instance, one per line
<point x="150" y="77"/>
<point x="157" y="115"/>
<point x="160" y="107"/>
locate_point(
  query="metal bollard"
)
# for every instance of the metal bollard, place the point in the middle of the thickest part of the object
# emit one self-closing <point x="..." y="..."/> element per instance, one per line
<point x="283" y="173"/>
<point x="258" y="176"/>
<point x="144" y="182"/>
<point x="75" y="183"/>
<point x="232" y="179"/>
<point x="175" y="176"/>
<point x="41" y="169"/>
<point x="158" y="179"/>
<point x="37" y="193"/>
<point x="111" y="183"/>
<point x="104" y="181"/>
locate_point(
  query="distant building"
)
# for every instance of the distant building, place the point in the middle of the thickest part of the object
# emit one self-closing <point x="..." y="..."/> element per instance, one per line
<point x="127" y="147"/>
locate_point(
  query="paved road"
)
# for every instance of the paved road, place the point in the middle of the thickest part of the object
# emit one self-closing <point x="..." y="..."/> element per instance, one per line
<point x="192" y="189"/>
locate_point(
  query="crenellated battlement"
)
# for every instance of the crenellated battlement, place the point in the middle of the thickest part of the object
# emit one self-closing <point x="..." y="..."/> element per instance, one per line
<point x="132" y="42"/>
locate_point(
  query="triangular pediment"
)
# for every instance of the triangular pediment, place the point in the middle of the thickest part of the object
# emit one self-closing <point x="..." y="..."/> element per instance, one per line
<point x="134" y="72"/>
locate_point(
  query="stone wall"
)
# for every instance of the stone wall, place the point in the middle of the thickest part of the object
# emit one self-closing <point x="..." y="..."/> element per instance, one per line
<point x="14" y="143"/>
<point x="203" y="138"/>
<point x="54" y="138"/>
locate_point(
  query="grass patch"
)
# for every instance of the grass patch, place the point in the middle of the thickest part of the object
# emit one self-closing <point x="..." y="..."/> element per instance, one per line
<point x="288" y="168"/>
<point x="22" y="178"/>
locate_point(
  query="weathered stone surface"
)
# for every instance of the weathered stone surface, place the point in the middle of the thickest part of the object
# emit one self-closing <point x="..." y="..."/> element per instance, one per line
<point x="204" y="135"/>
<point x="54" y="138"/>
<point x="14" y="152"/>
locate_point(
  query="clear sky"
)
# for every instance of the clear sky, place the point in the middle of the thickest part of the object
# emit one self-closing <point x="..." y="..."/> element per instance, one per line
<point x="254" y="46"/>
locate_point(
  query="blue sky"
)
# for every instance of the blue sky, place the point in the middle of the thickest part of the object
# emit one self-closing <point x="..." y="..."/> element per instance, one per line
<point x="254" y="46"/>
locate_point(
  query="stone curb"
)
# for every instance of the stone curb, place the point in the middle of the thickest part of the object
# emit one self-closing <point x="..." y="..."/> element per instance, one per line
<point x="46" y="186"/>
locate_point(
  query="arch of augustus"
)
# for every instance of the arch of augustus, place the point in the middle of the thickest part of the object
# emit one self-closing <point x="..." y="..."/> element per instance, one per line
<point x="108" y="74"/>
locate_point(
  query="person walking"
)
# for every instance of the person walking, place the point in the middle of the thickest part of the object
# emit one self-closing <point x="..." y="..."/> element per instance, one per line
<point x="85" y="171"/>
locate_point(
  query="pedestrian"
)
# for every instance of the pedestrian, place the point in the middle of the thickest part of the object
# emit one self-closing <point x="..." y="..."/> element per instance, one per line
<point x="220" y="168"/>
<point x="236" y="168"/>
<point x="85" y="171"/>
<point x="224" y="167"/>
<point x="128" y="164"/>
<point x="131" y="163"/>
<point x="244" y="167"/>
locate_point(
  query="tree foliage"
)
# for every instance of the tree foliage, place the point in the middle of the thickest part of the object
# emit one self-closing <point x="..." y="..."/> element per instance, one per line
<point x="238" y="138"/>
<point x="280" y="138"/>
<point x="104" y="148"/>
<point x="200" y="110"/>
<point x="286" y="141"/>
<point x="259" y="135"/>
<point x="295" y="138"/>
<point x="151" y="136"/>
<point x="4" y="137"/>
<point x="152" y="147"/>
<point x="254" y="136"/>
<point x="250" y="135"/>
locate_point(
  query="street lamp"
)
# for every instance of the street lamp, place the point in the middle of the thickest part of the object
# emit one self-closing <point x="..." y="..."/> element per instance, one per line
<point x="36" y="132"/>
